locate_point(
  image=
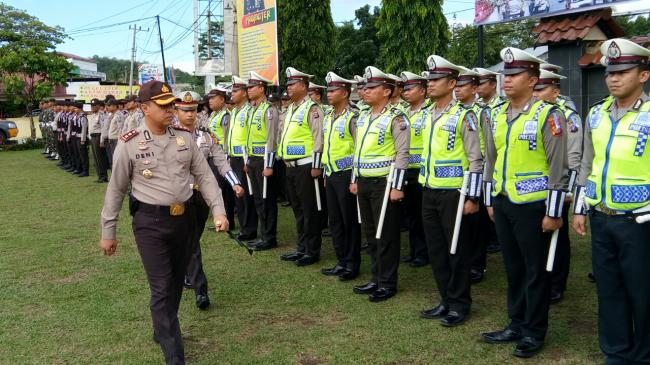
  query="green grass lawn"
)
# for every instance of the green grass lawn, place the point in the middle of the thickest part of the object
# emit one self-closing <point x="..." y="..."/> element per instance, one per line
<point x="61" y="302"/>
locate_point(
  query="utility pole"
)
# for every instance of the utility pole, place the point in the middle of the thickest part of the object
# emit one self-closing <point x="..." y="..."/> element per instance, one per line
<point x="133" y="49"/>
<point x="481" y="58"/>
<point x="162" y="51"/>
<point x="209" y="40"/>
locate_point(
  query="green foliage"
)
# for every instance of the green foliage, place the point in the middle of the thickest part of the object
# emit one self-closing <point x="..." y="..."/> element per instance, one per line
<point x="29" y="68"/>
<point x="306" y="37"/>
<point x="216" y="41"/>
<point x="30" y="144"/>
<point x="116" y="70"/>
<point x="196" y="82"/>
<point x="410" y="31"/>
<point x="357" y="47"/>
<point x="463" y="46"/>
<point x="634" y="25"/>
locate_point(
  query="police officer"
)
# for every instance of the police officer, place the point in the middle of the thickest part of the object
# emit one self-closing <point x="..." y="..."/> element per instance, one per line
<point x="186" y="104"/>
<point x="396" y="99"/>
<point x="235" y="137"/>
<point x="58" y="125"/>
<point x="72" y="138"/>
<point x="81" y="139"/>
<point x="134" y="115"/>
<point x="109" y="133"/>
<point x="451" y="148"/>
<point x="339" y="133"/>
<point x="261" y="146"/>
<point x="95" y="127"/>
<point x="361" y="84"/>
<point x="159" y="161"/>
<point x="614" y="180"/>
<point x="301" y="145"/>
<point x="466" y="88"/>
<point x="526" y="157"/>
<point x="487" y="87"/>
<point x="548" y="89"/>
<point x="562" y="100"/>
<point x="415" y="90"/>
<point x="217" y="123"/>
<point x="382" y="140"/>
<point x="316" y="93"/>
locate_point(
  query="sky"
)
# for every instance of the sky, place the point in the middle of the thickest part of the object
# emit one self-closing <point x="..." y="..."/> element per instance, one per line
<point x="78" y="18"/>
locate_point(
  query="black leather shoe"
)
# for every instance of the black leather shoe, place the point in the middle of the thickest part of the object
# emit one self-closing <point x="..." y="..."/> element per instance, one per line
<point x="202" y="301"/>
<point x="291" y="256"/>
<point x="438" y="311"/>
<point x="528" y="347"/>
<point x="493" y="247"/>
<point x="332" y="271"/>
<point x="285" y="204"/>
<point x="187" y="284"/>
<point x="83" y="174"/>
<point x="476" y="276"/>
<point x="407" y="258"/>
<point x="453" y="319"/>
<point x="364" y="246"/>
<point x="419" y="262"/>
<point x="263" y="246"/>
<point x="307" y="260"/>
<point x="326" y="233"/>
<point x="504" y="336"/>
<point x="367" y="288"/>
<point x="348" y="275"/>
<point x="591" y="277"/>
<point x="382" y="294"/>
<point x="246" y="237"/>
<point x="556" y="296"/>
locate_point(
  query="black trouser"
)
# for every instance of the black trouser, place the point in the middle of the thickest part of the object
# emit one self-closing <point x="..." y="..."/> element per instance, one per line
<point x="344" y="221"/>
<point x="74" y="153"/>
<point x="385" y="251"/>
<point x="525" y="249"/>
<point x="267" y="209"/>
<point x="227" y="194"/>
<point x="164" y="243"/>
<point x="99" y="155"/>
<point x="110" y="150"/>
<point x="451" y="272"/>
<point x="280" y="173"/>
<point x="413" y="214"/>
<point x="302" y="195"/>
<point x="562" y="263"/>
<point x="195" y="274"/>
<point x="60" y="146"/>
<point x="482" y="237"/>
<point x="246" y="204"/>
<point x="83" y="156"/>
<point x="621" y="263"/>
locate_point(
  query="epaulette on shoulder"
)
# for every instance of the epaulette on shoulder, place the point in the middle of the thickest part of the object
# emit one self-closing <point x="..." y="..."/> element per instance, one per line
<point x="599" y="101"/>
<point x="180" y="128"/>
<point x="395" y="110"/>
<point x="129" y="135"/>
<point x="500" y="103"/>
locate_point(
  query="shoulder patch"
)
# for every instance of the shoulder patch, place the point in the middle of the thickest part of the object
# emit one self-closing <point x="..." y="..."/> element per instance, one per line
<point x="470" y="121"/>
<point x="130" y="134"/>
<point x="180" y="128"/>
<point x="555" y="123"/>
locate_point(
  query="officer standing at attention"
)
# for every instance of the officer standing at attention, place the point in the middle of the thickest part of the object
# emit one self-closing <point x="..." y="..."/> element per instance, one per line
<point x="548" y="89"/>
<point x="361" y="84"/>
<point x="301" y="145"/>
<point x="159" y="162"/>
<point x="339" y="133"/>
<point x="315" y="93"/>
<point x="236" y="134"/>
<point x="451" y="147"/>
<point x="615" y="182"/>
<point x="415" y="92"/>
<point x="487" y="87"/>
<point x="562" y="100"/>
<point x="217" y="124"/>
<point x="526" y="157"/>
<point x="95" y="127"/>
<point x="186" y="104"/>
<point x="82" y="139"/>
<point x="107" y="135"/>
<point x="134" y="115"/>
<point x="383" y="135"/>
<point x="261" y="144"/>
<point x="396" y="99"/>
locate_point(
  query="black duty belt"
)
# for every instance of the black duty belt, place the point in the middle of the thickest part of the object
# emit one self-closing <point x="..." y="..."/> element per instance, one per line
<point x="176" y="209"/>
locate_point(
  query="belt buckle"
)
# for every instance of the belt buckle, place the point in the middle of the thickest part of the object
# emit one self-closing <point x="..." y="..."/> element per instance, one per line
<point x="195" y="186"/>
<point x="176" y="209"/>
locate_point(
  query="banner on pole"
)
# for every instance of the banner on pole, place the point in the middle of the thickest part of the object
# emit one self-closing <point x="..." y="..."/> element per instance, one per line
<point x="257" y="38"/>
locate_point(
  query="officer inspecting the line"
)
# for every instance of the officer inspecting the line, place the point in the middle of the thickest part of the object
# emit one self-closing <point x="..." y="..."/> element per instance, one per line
<point x="186" y="104"/>
<point x="261" y="145"/>
<point x="159" y="162"/>
<point x="451" y="149"/>
<point x="301" y="145"/>
<point x="95" y="127"/>
<point x="548" y="89"/>
<point x="381" y="157"/>
<point x="615" y="183"/>
<point x="526" y="157"/>
<point x="339" y="133"/>
<point x="415" y="90"/>
<point x="236" y="134"/>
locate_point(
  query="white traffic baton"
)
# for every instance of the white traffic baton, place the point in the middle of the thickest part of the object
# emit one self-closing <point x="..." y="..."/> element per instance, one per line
<point x="317" y="188"/>
<point x="358" y="209"/>
<point x="551" y="251"/>
<point x="384" y="204"/>
<point x="248" y="178"/>
<point x="643" y="218"/>
<point x="459" y="213"/>
<point x="264" y="183"/>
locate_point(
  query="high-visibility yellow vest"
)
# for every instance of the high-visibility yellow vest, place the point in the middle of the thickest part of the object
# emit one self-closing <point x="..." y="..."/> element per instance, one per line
<point x="256" y="141"/>
<point x="521" y="168"/>
<point x="297" y="141"/>
<point x="238" y="130"/>
<point x="338" y="144"/>
<point x="417" y="122"/>
<point x="216" y="121"/>
<point x="478" y="111"/>
<point x="375" y="148"/>
<point x="443" y="157"/>
<point x="620" y="174"/>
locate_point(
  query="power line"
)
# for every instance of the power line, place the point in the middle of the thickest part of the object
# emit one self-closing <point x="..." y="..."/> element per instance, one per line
<point x="107" y="26"/>
<point x="110" y="16"/>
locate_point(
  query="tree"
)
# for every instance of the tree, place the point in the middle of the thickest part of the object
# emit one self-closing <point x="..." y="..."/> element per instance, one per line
<point x="29" y="67"/>
<point x="357" y="47"/>
<point x="634" y="25"/>
<point x="216" y="41"/>
<point x="410" y="31"/>
<point x="116" y="70"/>
<point x="306" y="36"/>
<point x="463" y="46"/>
<point x="196" y="82"/>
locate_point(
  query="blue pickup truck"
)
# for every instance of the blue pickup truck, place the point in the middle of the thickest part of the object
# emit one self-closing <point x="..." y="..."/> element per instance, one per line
<point x="7" y="130"/>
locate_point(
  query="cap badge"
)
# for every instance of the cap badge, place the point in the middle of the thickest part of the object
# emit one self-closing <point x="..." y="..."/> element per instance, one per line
<point x="180" y="141"/>
<point x="509" y="57"/>
<point x="147" y="174"/>
<point x="432" y="63"/>
<point x="614" y="51"/>
<point x="188" y="98"/>
<point x="164" y="88"/>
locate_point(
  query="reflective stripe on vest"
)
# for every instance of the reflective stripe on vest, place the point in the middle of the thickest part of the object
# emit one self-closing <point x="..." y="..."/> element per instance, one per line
<point x="338" y="145"/>
<point x="216" y="122"/>
<point x="256" y="140"/>
<point x="297" y="141"/>
<point x="417" y="122"/>
<point x="375" y="148"/>
<point x="237" y="131"/>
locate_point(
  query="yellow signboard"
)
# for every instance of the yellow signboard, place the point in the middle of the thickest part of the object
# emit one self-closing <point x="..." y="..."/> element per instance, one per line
<point x="257" y="38"/>
<point x="89" y="92"/>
